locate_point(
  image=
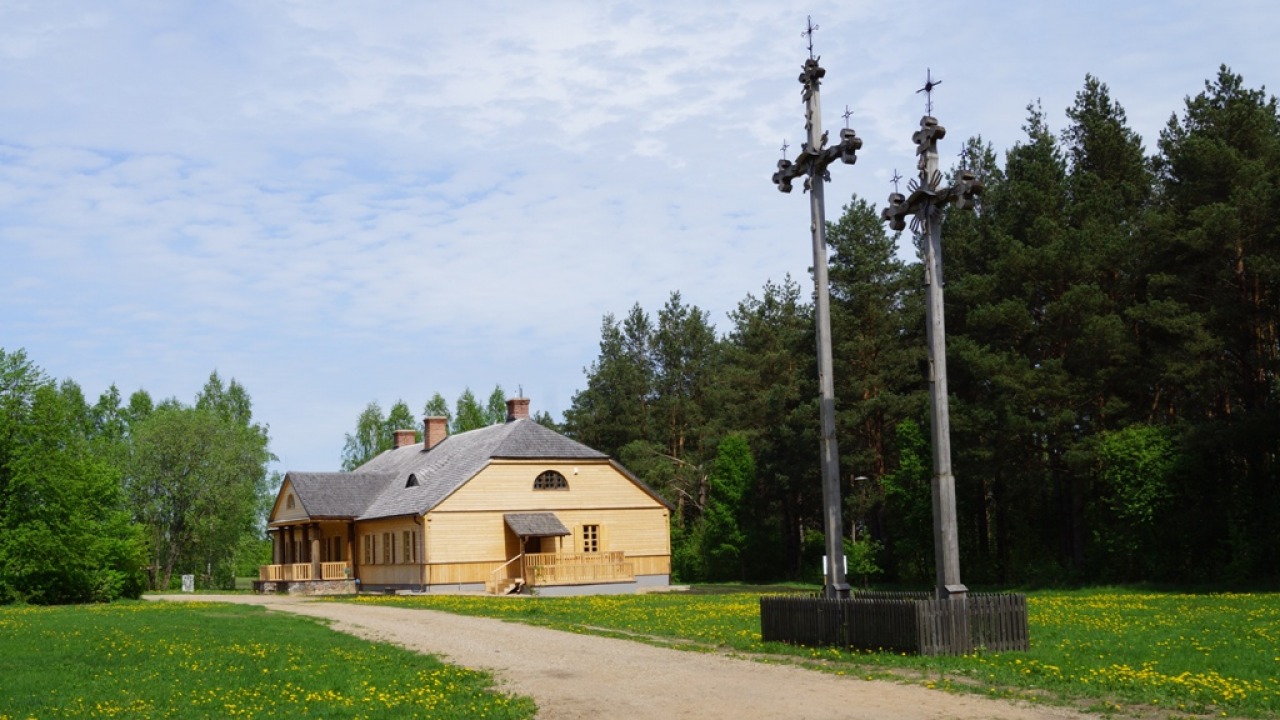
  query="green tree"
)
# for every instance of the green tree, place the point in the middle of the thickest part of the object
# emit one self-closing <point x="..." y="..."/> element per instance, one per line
<point x="908" y="502"/>
<point x="64" y="533"/>
<point x="495" y="409"/>
<point x="685" y="357"/>
<point x="723" y="539"/>
<point x="468" y="413"/>
<point x="877" y="328"/>
<point x="1135" y="487"/>
<point x="1210" y="323"/>
<point x="769" y="393"/>
<point x="616" y="406"/>
<point x="375" y="433"/>
<point x="197" y="480"/>
<point x="399" y="418"/>
<point x="874" y="298"/>
<point x="369" y="439"/>
<point x="1010" y="322"/>
<point x="437" y="406"/>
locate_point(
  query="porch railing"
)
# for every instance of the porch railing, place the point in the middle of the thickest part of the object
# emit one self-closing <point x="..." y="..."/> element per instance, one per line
<point x="577" y="568"/>
<point x="333" y="571"/>
<point x="297" y="572"/>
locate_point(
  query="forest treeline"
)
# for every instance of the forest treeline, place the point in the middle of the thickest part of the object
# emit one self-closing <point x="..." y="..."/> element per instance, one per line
<point x="1112" y="347"/>
<point x="104" y="500"/>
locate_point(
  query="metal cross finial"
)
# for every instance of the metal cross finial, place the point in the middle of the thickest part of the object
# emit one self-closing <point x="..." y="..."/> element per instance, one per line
<point x="784" y="148"/>
<point x="809" y="33"/>
<point x="929" y="85"/>
<point x="847" y="114"/>
<point x="895" y="179"/>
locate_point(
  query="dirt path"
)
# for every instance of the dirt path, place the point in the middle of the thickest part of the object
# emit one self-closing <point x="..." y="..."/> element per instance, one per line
<point x="583" y="676"/>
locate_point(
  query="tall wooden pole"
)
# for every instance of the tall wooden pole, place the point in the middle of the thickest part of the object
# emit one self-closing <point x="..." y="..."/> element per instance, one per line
<point x="946" y="542"/>
<point x="812" y="163"/>
<point x="837" y="584"/>
<point x="926" y="203"/>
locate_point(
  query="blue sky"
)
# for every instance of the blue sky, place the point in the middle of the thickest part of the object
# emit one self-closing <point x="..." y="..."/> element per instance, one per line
<point x="340" y="202"/>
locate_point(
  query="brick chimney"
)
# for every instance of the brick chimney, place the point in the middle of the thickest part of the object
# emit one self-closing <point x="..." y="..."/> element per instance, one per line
<point x="401" y="438"/>
<point x="436" y="430"/>
<point x="517" y="409"/>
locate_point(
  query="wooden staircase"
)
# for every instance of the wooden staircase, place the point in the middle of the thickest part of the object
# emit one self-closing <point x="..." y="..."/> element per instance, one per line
<point x="509" y="586"/>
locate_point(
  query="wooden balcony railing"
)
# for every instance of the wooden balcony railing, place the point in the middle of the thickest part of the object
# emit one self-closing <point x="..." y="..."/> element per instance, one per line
<point x="296" y="572"/>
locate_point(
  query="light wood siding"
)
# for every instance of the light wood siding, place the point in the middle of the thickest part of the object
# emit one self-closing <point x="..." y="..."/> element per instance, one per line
<point x="455" y="573"/>
<point x="650" y="564"/>
<point x="509" y="485"/>
<point x="466" y="537"/>
<point x="390" y="575"/>
<point x="635" y="532"/>
<point x="382" y="530"/>
<point x="481" y="536"/>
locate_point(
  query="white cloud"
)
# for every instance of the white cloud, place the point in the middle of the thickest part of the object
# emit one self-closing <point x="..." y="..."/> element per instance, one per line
<point x="336" y="203"/>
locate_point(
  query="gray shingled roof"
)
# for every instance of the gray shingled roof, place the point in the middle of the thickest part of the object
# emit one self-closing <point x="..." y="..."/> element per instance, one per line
<point x="379" y="488"/>
<point x="446" y="467"/>
<point x="337" y="494"/>
<point x="542" y="524"/>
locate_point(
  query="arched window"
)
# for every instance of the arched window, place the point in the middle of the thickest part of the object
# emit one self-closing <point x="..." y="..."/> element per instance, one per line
<point x="288" y="502"/>
<point x="550" y="480"/>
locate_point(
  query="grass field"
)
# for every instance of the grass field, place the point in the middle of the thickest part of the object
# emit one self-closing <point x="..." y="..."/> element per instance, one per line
<point x="183" y="660"/>
<point x="1154" y="654"/>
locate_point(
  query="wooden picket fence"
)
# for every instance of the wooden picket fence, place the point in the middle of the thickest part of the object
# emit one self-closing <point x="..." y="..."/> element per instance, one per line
<point x="898" y="622"/>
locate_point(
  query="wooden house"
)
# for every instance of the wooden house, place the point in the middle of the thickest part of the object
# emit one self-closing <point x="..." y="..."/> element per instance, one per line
<point x="502" y="508"/>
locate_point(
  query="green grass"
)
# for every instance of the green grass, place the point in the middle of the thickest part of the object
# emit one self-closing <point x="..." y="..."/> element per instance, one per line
<point x="1161" y="654"/>
<point x="183" y="660"/>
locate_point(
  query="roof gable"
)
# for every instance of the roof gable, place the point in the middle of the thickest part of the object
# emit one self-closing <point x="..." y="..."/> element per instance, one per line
<point x="334" y="494"/>
<point x="456" y="459"/>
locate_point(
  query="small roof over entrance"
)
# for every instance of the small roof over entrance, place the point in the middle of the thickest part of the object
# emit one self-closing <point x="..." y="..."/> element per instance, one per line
<point x="543" y="524"/>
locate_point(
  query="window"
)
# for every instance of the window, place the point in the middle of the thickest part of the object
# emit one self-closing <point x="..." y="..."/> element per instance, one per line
<point x="590" y="538"/>
<point x="412" y="481"/>
<point x="550" y="480"/>
<point x="388" y="548"/>
<point x="288" y="502"/>
<point x="410" y="546"/>
<point x="370" y="550"/>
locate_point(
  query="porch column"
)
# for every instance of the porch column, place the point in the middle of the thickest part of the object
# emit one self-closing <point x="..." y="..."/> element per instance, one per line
<point x="276" y="546"/>
<point x="315" y="554"/>
<point x="352" y="550"/>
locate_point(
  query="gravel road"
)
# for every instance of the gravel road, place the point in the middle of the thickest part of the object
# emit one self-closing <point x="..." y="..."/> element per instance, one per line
<point x="582" y="676"/>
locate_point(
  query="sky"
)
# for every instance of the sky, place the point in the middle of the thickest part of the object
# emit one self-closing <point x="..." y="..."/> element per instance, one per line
<point x="336" y="203"/>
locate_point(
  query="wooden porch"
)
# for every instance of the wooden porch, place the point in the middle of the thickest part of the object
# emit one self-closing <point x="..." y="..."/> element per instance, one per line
<point x="299" y="572"/>
<point x="543" y="569"/>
